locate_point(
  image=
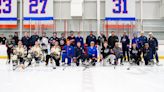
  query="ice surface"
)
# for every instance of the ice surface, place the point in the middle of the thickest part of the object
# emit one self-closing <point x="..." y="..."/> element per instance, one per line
<point x="74" y="79"/>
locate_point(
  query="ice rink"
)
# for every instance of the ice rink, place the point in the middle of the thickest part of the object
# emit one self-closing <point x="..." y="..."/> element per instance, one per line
<point x="74" y="79"/>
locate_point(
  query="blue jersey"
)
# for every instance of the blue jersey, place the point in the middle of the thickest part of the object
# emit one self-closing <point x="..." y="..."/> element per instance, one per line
<point x="92" y="51"/>
<point x="142" y="41"/>
<point x="68" y="50"/>
<point x="135" y="40"/>
<point x="79" y="39"/>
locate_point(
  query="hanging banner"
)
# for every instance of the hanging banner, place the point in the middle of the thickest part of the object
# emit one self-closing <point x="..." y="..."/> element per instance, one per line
<point x="8" y="14"/>
<point x="36" y="11"/>
<point x="120" y="10"/>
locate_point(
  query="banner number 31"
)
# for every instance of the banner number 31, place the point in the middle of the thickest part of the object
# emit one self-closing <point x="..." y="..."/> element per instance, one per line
<point x="121" y="6"/>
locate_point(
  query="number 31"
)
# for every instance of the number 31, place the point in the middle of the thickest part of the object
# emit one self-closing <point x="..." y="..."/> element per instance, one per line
<point x="119" y="6"/>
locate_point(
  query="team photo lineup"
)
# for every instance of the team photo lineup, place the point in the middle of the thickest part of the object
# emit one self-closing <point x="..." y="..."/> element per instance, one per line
<point x="74" y="49"/>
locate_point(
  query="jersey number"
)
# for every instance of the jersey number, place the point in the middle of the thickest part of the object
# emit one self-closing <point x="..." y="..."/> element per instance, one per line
<point x="7" y="7"/>
<point x="33" y="8"/>
<point x="121" y="8"/>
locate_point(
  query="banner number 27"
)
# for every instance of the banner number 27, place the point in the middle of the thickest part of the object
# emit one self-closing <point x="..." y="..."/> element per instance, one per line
<point x="120" y="8"/>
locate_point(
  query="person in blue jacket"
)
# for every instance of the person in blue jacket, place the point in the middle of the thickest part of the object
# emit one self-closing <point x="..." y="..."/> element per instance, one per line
<point x="80" y="39"/>
<point x="147" y="54"/>
<point x="135" y="40"/>
<point x="67" y="53"/>
<point x="153" y="43"/>
<point x="142" y="40"/>
<point x="92" y="53"/>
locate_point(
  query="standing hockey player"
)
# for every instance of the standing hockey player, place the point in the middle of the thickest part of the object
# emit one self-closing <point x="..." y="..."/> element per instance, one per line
<point x="92" y="53"/>
<point x="91" y="38"/>
<point x="71" y="38"/>
<point x="2" y="39"/>
<point x="79" y="54"/>
<point x="9" y="45"/>
<point x="142" y="40"/>
<point x="34" y="38"/>
<point x="62" y="40"/>
<point x="25" y="40"/>
<point x="53" y="38"/>
<point x="67" y="53"/>
<point x="112" y="40"/>
<point x="80" y="39"/>
<point x="135" y="40"/>
<point x="147" y="54"/>
<point x="153" y="43"/>
<point x="135" y="54"/>
<point x="101" y="39"/>
<point x="125" y="45"/>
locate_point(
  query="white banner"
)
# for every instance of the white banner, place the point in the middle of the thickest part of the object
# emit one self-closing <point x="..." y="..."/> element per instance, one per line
<point x="8" y="13"/>
<point x="38" y="10"/>
<point x="120" y="10"/>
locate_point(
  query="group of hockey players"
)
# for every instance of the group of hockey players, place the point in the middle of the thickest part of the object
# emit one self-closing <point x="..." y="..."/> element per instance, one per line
<point x="64" y="51"/>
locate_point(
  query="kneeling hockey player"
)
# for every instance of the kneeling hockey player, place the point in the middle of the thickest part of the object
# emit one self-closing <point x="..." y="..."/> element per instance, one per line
<point x="18" y="55"/>
<point x="107" y="55"/>
<point x="79" y="54"/>
<point x="67" y="53"/>
<point x="92" y="53"/>
<point x="55" y="54"/>
<point x="118" y="53"/>
<point x="147" y="54"/>
<point x="37" y="52"/>
<point x="135" y="54"/>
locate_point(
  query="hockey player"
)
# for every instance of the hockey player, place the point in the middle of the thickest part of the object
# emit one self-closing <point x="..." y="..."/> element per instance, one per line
<point x="153" y="43"/>
<point x="101" y="39"/>
<point x="118" y="53"/>
<point x="2" y="39"/>
<point x="92" y="53"/>
<point x="147" y="54"/>
<point x="67" y="53"/>
<point x="142" y="40"/>
<point x="9" y="45"/>
<point x="55" y="54"/>
<point x="34" y="38"/>
<point x="15" y="38"/>
<point x="37" y="52"/>
<point x="20" y="52"/>
<point x="135" y="40"/>
<point x="71" y="38"/>
<point x="79" y="38"/>
<point x="53" y="38"/>
<point x="135" y="54"/>
<point x="79" y="54"/>
<point x="62" y="40"/>
<point x="107" y="54"/>
<point x="112" y="40"/>
<point x="125" y="45"/>
<point x="25" y="40"/>
<point x="91" y="38"/>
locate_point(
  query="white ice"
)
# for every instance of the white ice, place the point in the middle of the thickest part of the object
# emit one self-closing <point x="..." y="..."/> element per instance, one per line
<point x="74" y="79"/>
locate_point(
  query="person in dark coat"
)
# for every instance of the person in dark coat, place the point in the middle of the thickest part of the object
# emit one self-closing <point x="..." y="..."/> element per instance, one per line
<point x="147" y="54"/>
<point x="53" y="38"/>
<point x="71" y="38"/>
<point x="112" y="40"/>
<point x="34" y="38"/>
<point x="101" y="39"/>
<point x="91" y="38"/>
<point x="153" y="43"/>
<point x="62" y="40"/>
<point x="125" y="46"/>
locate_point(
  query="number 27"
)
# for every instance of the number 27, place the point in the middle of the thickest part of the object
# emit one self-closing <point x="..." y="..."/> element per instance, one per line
<point x="119" y="6"/>
<point x="34" y="4"/>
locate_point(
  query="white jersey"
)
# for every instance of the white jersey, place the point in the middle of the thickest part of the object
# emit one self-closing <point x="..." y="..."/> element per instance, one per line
<point x="37" y="49"/>
<point x="56" y="50"/>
